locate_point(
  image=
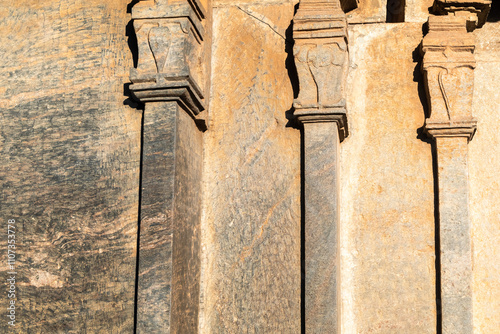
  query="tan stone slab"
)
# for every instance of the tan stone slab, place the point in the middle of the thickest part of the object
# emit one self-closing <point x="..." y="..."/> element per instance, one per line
<point x="387" y="207"/>
<point x="383" y="10"/>
<point x="484" y="176"/>
<point x="251" y="226"/>
<point x="368" y="12"/>
<point x="417" y="10"/>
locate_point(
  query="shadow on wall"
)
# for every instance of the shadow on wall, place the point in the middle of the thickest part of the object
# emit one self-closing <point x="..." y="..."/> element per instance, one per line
<point x="134" y="50"/>
<point x="291" y="69"/>
<point x="131" y="4"/>
<point x="395" y="11"/>
<point x="418" y="77"/>
<point x="495" y="12"/>
<point x="132" y="44"/>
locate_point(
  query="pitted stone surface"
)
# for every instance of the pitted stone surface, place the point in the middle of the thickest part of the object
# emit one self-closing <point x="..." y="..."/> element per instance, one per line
<point x="387" y="206"/>
<point x="484" y="176"/>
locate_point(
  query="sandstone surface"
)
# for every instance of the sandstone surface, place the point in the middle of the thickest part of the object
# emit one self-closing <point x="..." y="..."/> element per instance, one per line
<point x="70" y="153"/>
<point x="232" y="198"/>
<point x="387" y="193"/>
<point x="251" y="226"/>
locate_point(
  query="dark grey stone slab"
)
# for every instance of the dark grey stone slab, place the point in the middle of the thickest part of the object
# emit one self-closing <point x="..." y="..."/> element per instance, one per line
<point x="169" y="248"/>
<point x="186" y="225"/>
<point x="455" y="236"/>
<point x="321" y="150"/>
<point x="155" y="245"/>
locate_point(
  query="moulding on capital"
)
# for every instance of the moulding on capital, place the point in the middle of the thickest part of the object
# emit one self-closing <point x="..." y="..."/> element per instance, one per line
<point x="451" y="129"/>
<point x="475" y="12"/>
<point x="171" y="64"/>
<point x="338" y="116"/>
<point x="321" y="59"/>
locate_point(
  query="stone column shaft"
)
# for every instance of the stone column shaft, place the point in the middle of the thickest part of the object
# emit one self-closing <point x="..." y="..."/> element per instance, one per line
<point x="169" y="238"/>
<point x="321" y="166"/>
<point x="448" y="67"/>
<point x="455" y="235"/>
<point x="155" y="234"/>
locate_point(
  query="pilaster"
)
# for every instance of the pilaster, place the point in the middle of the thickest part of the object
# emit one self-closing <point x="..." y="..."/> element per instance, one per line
<point x="321" y="59"/>
<point x="448" y="67"/>
<point x="171" y="79"/>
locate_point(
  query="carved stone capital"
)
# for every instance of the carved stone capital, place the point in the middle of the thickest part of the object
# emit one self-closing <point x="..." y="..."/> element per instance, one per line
<point x="448" y="68"/>
<point x="170" y="43"/>
<point x="321" y="59"/>
<point x="475" y="12"/>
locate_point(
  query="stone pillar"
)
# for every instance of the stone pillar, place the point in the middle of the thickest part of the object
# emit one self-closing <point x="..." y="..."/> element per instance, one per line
<point x="170" y="78"/>
<point x="321" y="59"/>
<point x="448" y="67"/>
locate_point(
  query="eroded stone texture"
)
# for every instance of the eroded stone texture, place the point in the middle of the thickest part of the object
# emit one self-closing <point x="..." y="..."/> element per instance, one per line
<point x="69" y="168"/>
<point x="475" y="12"/>
<point x="158" y="192"/>
<point x="186" y="228"/>
<point x="387" y="207"/>
<point x="251" y="226"/>
<point x="448" y="66"/>
<point x="390" y="11"/>
<point x="369" y="12"/>
<point x="454" y="235"/>
<point x="320" y="53"/>
<point x="484" y="176"/>
<point x="322" y="265"/>
<point x="172" y="62"/>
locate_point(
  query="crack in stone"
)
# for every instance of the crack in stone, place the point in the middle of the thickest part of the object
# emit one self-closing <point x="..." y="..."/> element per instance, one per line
<point x="264" y="20"/>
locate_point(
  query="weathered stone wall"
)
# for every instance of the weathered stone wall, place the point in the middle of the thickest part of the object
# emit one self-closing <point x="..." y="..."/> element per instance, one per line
<point x="484" y="174"/>
<point x="70" y="154"/>
<point x="388" y="195"/>
<point x="70" y="151"/>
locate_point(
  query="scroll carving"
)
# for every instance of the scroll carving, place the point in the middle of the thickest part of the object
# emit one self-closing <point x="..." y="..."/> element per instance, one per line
<point x="320" y="53"/>
<point x="170" y="43"/>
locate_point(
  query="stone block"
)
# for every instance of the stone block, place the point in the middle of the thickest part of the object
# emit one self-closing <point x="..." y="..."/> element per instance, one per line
<point x="484" y="167"/>
<point x="251" y="228"/>
<point x="387" y="207"/>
